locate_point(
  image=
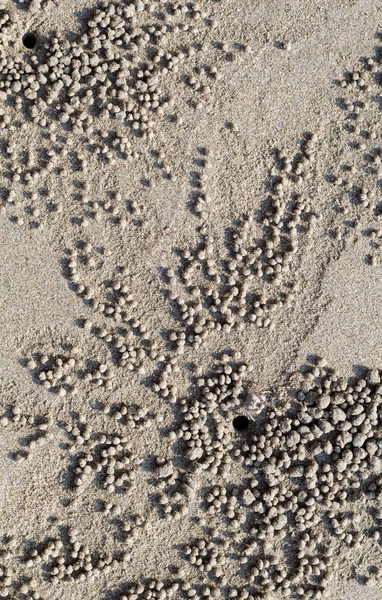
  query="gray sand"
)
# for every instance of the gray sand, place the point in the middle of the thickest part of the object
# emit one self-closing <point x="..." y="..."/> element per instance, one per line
<point x="259" y="120"/>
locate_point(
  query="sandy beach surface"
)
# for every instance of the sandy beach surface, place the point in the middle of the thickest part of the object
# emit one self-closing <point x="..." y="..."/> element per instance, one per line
<point x="190" y="299"/>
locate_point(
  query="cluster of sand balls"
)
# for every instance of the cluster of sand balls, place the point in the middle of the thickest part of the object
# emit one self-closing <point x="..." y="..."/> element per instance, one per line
<point x="127" y="347"/>
<point x="13" y="584"/>
<point x="104" y="458"/>
<point x="111" y="210"/>
<point x="114" y="70"/>
<point x="56" y="373"/>
<point x="162" y="383"/>
<point x="132" y="528"/>
<point x="14" y="418"/>
<point x="101" y="376"/>
<point x="200" y="196"/>
<point x="110" y="509"/>
<point x="130" y="416"/>
<point x="225" y="297"/>
<point x="113" y="300"/>
<point x="174" y="489"/>
<point x="158" y="590"/>
<point x="7" y="23"/>
<point x="207" y="556"/>
<point x="106" y="88"/>
<point x="72" y="561"/>
<point x="28" y="170"/>
<point x="310" y="465"/>
<point x="358" y="176"/>
<point x="290" y="214"/>
<point x="21" y="589"/>
<point x="225" y="503"/>
<point x="115" y="303"/>
<point x="153" y="589"/>
<point x="204" y="423"/>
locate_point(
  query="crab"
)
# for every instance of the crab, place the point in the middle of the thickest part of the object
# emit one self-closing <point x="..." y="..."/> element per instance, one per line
<point x="254" y="402"/>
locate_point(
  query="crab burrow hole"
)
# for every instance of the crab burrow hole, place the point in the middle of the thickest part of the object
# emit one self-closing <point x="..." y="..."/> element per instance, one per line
<point x="240" y="423"/>
<point x="29" y="40"/>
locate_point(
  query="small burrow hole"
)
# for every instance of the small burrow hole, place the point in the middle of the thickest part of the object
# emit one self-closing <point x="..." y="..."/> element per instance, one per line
<point x="29" y="40"/>
<point x="240" y="423"/>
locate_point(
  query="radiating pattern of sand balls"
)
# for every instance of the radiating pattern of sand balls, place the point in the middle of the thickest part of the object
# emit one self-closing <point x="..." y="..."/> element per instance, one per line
<point x="268" y="497"/>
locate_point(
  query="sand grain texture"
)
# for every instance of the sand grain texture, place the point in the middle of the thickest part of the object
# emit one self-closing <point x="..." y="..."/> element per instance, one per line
<point x="190" y="210"/>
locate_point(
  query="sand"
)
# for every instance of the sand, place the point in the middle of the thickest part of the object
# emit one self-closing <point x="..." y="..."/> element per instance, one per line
<point x="276" y="90"/>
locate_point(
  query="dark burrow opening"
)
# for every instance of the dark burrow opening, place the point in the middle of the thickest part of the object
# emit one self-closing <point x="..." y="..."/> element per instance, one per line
<point x="240" y="423"/>
<point x="29" y="40"/>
